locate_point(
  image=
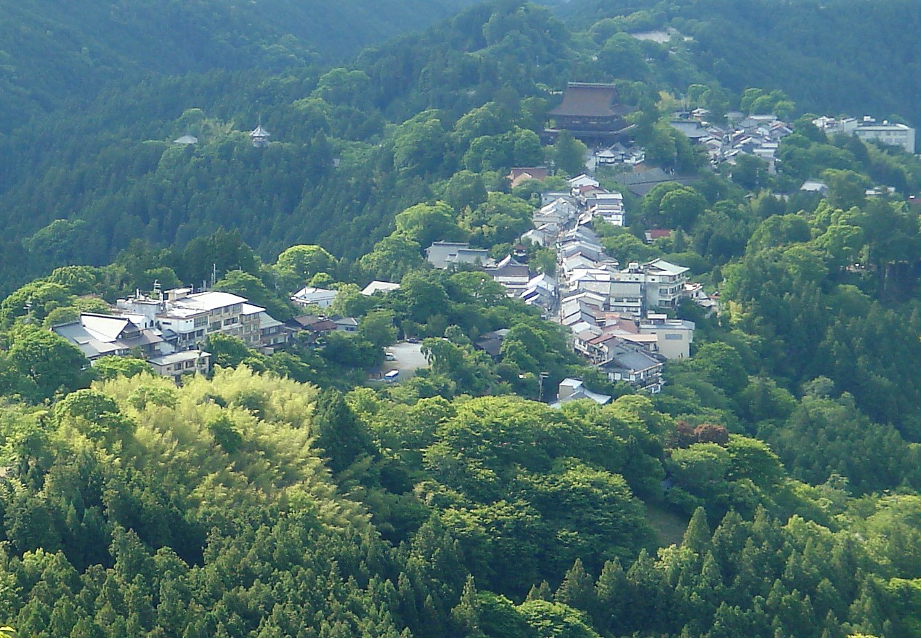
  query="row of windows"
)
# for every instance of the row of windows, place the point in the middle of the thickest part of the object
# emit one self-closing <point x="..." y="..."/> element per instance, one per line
<point x="181" y="365"/>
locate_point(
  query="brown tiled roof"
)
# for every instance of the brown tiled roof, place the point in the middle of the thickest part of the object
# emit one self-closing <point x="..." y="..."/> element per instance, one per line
<point x="536" y="172"/>
<point x="582" y="99"/>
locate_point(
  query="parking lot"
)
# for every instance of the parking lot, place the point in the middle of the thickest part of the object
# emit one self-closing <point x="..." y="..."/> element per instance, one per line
<point x="407" y="358"/>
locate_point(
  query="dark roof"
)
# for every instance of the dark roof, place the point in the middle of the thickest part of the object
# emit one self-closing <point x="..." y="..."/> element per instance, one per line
<point x="305" y="320"/>
<point x="692" y="130"/>
<point x="632" y="360"/>
<point x="492" y="342"/>
<point x="642" y="182"/>
<point x="644" y="177"/>
<point x="583" y="99"/>
<point x="312" y="323"/>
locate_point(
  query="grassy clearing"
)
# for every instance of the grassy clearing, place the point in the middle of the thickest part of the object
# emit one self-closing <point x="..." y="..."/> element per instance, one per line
<point x="669" y="527"/>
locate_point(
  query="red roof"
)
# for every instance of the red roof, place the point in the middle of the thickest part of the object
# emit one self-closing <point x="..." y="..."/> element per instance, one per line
<point x="656" y="234"/>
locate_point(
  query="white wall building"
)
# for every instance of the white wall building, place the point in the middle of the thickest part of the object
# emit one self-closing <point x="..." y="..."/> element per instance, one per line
<point x="673" y="336"/>
<point x="313" y="296"/>
<point x="186" y="319"/>
<point x="893" y="134"/>
<point x="868" y="129"/>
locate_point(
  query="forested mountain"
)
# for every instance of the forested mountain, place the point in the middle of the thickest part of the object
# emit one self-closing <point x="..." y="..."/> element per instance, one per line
<point x="103" y="168"/>
<point x="53" y="55"/>
<point x="770" y="489"/>
<point x="858" y="57"/>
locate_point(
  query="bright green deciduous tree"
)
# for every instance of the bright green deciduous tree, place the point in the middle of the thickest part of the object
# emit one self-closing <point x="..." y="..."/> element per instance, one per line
<point x="570" y="154"/>
<point x="47" y="359"/>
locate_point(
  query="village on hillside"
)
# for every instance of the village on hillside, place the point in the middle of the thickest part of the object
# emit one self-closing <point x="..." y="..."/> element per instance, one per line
<point x="619" y="317"/>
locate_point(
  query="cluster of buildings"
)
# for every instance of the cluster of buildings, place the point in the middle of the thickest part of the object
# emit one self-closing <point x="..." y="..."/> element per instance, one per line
<point x="610" y="311"/>
<point x="169" y="329"/>
<point x="324" y="297"/>
<point x="614" y="315"/>
<point x="584" y="201"/>
<point x="756" y="135"/>
<point x="594" y="114"/>
<point x="311" y="327"/>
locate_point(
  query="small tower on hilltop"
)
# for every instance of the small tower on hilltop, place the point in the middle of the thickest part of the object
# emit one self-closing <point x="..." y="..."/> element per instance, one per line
<point x="260" y="136"/>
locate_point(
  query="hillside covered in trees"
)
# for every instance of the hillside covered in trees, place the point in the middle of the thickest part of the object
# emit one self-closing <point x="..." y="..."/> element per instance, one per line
<point x="770" y="489"/>
<point x="54" y="56"/>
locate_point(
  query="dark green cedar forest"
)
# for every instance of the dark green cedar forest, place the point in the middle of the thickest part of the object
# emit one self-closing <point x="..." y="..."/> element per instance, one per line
<point x="284" y="496"/>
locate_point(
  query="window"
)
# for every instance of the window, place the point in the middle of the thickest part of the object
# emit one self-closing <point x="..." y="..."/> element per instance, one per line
<point x="214" y="326"/>
<point x="230" y="321"/>
<point x="673" y="336"/>
<point x="201" y="321"/>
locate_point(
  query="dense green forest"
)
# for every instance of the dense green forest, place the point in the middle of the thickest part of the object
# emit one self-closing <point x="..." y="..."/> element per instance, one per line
<point x="54" y="56"/>
<point x="770" y="489"/>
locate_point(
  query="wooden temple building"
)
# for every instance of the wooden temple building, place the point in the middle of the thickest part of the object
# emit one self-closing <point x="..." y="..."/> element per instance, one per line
<point x="591" y="112"/>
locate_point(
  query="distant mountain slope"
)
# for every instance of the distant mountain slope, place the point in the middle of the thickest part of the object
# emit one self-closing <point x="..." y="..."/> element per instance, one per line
<point x="853" y="56"/>
<point x="52" y="51"/>
<point x="108" y="168"/>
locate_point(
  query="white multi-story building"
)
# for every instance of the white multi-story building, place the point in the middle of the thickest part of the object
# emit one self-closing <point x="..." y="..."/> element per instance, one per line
<point x="868" y="129"/>
<point x="186" y="319"/>
<point x="176" y="364"/>
<point x="893" y="134"/>
<point x="658" y="284"/>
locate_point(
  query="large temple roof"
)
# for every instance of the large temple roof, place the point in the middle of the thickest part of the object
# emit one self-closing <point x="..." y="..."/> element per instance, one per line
<point x="588" y="100"/>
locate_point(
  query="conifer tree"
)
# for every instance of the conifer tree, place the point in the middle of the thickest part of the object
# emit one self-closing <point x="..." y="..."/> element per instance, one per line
<point x="697" y="536"/>
<point x="465" y="616"/>
<point x="577" y="589"/>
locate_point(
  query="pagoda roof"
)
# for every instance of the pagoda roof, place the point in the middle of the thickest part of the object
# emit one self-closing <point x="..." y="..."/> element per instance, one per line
<point x="259" y="132"/>
<point x="586" y="99"/>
